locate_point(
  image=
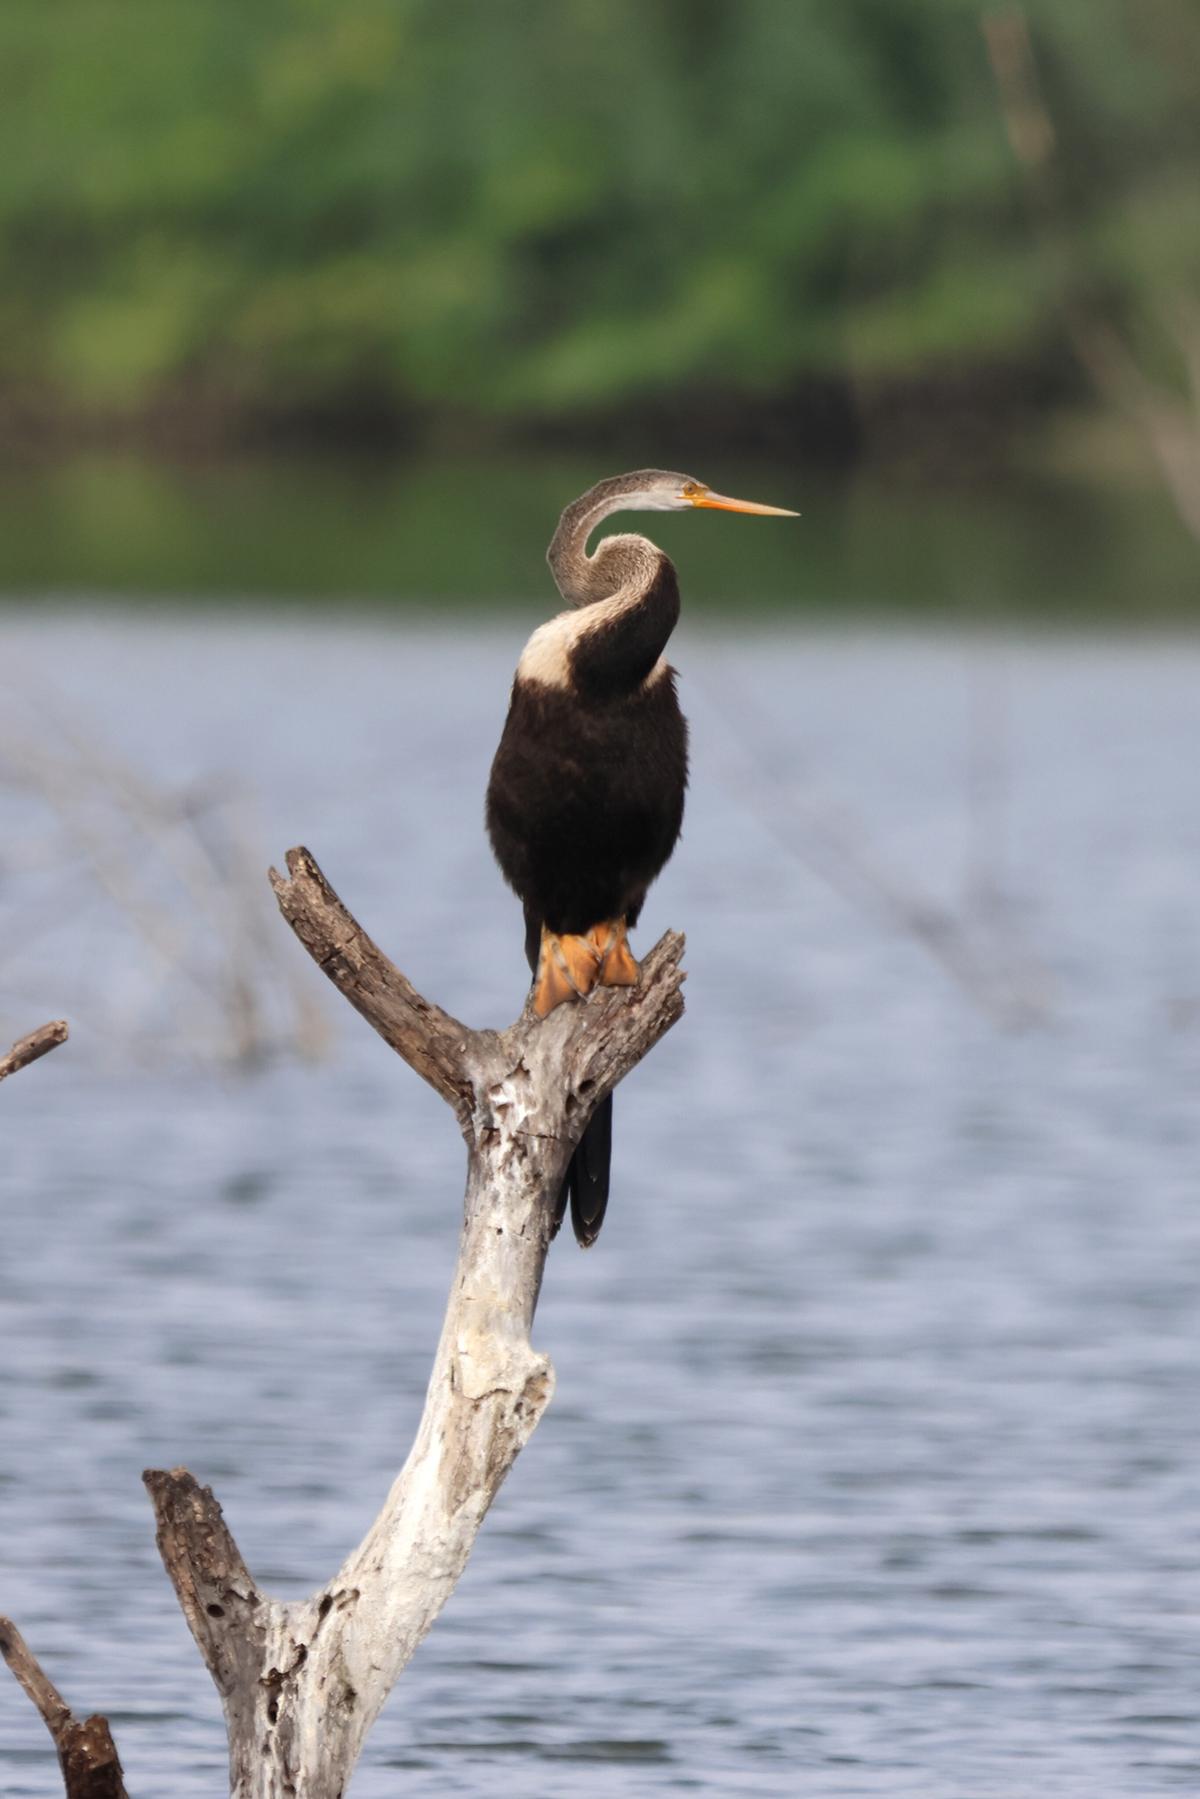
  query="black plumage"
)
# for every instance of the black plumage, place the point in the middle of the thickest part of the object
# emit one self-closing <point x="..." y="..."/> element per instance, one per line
<point x="584" y="807"/>
<point x="586" y="795"/>
<point x="585" y="800"/>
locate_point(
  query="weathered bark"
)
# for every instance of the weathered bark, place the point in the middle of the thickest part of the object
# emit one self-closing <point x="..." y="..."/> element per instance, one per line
<point x="301" y="1683"/>
<point x="37" y="1043"/>
<point x="87" y="1754"/>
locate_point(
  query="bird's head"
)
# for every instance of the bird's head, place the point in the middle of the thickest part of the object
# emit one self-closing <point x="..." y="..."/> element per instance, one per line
<point x="645" y="490"/>
<point x="659" y="490"/>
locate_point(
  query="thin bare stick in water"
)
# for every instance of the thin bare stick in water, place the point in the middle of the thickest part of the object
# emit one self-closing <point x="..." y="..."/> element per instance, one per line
<point x="825" y="843"/>
<point x="125" y="831"/>
<point x="38" y="1043"/>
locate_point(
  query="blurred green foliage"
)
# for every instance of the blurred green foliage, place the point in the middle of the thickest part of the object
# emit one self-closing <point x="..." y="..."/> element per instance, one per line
<point x="531" y="208"/>
<point x="434" y="534"/>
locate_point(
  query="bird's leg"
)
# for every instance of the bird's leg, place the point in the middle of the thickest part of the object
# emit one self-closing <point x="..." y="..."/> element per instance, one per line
<point x="617" y="966"/>
<point x="568" y="968"/>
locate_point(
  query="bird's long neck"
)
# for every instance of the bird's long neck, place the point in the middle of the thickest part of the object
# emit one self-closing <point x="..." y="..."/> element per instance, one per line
<point x="626" y="594"/>
<point x="620" y="637"/>
<point x="577" y="575"/>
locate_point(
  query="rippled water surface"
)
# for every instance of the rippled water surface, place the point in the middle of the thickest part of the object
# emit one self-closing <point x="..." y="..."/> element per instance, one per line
<point x="873" y="1466"/>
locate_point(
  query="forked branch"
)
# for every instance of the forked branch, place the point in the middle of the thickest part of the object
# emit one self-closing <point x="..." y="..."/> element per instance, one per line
<point x="302" y="1683"/>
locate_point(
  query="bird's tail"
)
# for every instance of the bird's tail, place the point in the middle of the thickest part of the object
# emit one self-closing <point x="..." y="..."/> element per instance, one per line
<point x="586" y="1184"/>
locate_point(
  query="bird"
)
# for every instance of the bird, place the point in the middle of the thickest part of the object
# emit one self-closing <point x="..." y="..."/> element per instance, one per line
<point x="586" y="793"/>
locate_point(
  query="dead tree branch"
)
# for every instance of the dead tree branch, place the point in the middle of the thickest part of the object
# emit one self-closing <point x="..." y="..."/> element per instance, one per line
<point x="87" y="1754"/>
<point x="175" y="865"/>
<point x="429" y="1040"/>
<point x="301" y="1683"/>
<point x="37" y="1043"/>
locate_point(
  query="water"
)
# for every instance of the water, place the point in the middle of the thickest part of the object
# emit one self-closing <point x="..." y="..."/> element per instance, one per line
<point x="872" y="1467"/>
<point x="470" y="529"/>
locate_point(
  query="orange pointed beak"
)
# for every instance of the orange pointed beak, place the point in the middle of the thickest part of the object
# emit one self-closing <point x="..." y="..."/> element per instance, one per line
<point x="721" y="503"/>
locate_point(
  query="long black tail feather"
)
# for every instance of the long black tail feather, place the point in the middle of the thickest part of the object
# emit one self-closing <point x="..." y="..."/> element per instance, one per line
<point x="585" y="1187"/>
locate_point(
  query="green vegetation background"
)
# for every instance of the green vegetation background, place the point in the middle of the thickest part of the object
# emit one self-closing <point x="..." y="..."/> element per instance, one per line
<point x="441" y="214"/>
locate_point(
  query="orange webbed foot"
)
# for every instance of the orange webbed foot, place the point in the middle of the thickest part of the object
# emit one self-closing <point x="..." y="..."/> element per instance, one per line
<point x="568" y="968"/>
<point x="617" y="965"/>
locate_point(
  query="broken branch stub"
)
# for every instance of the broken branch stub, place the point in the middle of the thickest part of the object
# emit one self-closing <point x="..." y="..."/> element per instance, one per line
<point x="38" y="1043"/>
<point x="87" y="1755"/>
<point x="301" y="1683"/>
<point x="430" y="1041"/>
